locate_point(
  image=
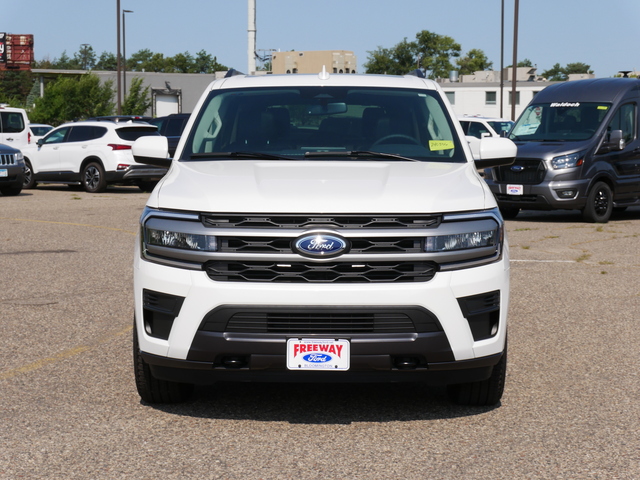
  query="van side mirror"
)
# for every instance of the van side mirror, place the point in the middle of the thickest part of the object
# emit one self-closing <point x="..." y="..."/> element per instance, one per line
<point x="614" y="143"/>
<point x="617" y="140"/>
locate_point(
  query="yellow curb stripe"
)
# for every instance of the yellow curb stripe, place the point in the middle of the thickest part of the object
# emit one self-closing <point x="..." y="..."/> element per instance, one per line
<point x="61" y="356"/>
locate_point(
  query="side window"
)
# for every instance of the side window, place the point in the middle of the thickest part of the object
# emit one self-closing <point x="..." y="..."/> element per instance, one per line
<point x="56" y="136"/>
<point x="79" y="134"/>
<point x="12" y="122"/>
<point x="625" y="119"/>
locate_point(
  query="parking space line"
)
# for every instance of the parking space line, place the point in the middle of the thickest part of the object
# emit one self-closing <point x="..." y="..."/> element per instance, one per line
<point x="71" y="352"/>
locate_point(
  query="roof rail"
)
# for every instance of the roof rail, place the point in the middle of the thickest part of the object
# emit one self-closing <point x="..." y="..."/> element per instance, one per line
<point x="417" y="73"/>
<point x="232" y="73"/>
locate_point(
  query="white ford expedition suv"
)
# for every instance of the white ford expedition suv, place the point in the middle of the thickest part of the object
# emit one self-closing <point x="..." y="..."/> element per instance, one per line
<point x="322" y="228"/>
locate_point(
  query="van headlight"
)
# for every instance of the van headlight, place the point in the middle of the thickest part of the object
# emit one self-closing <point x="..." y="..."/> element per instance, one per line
<point x="181" y="240"/>
<point x="567" y="161"/>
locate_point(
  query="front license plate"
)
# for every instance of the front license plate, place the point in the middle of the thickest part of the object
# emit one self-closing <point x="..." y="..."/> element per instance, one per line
<point x="4" y="172"/>
<point x="515" y="190"/>
<point x="318" y="354"/>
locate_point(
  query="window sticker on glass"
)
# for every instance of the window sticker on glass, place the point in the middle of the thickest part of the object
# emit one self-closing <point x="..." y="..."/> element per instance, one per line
<point x="435" y="145"/>
<point x="603" y="107"/>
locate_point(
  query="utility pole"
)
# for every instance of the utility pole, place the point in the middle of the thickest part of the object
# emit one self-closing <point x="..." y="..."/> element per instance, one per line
<point x="118" y="81"/>
<point x="251" y="30"/>
<point x="515" y="63"/>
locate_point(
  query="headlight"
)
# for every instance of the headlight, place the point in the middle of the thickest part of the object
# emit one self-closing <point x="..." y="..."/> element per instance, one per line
<point x="568" y="161"/>
<point x="460" y="241"/>
<point x="184" y="241"/>
<point x="19" y="158"/>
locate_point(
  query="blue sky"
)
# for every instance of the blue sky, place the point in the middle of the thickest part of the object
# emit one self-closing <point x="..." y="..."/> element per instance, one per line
<point x="604" y="35"/>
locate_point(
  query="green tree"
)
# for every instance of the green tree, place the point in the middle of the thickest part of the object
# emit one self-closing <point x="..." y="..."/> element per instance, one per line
<point x="474" y="61"/>
<point x="15" y="87"/>
<point x="430" y="51"/>
<point x="557" y="73"/>
<point x="74" y="97"/>
<point x="435" y="53"/>
<point x="107" y="62"/>
<point x="85" y="58"/>
<point x="137" y="100"/>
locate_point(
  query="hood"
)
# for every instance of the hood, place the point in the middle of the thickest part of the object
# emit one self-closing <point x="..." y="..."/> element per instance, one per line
<point x="321" y="187"/>
<point x="548" y="150"/>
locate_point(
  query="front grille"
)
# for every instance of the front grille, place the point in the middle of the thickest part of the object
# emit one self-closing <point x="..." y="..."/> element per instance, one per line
<point x="380" y="245"/>
<point x="7" y="159"/>
<point x="330" y="323"/>
<point x="532" y="173"/>
<point x="313" y="221"/>
<point x="503" y="197"/>
<point x="311" y="272"/>
<point x="320" y="320"/>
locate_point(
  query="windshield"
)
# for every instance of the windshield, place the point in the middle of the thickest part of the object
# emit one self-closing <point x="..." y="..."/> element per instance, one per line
<point x="564" y="121"/>
<point x="318" y="122"/>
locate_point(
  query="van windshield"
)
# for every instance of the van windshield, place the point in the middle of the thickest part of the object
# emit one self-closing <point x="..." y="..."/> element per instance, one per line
<point x="328" y="123"/>
<point x="560" y="121"/>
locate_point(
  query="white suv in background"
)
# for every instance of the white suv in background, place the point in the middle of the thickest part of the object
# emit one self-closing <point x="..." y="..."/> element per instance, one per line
<point x="14" y="127"/>
<point x="91" y="153"/>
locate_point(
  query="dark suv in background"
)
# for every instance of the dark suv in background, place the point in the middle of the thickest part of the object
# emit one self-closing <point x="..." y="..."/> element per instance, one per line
<point x="171" y="127"/>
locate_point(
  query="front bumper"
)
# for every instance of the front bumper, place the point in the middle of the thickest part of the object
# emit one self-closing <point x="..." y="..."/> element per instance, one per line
<point x="556" y="191"/>
<point x="450" y="352"/>
<point x="11" y="176"/>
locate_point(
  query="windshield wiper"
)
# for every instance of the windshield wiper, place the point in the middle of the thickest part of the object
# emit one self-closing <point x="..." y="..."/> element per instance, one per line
<point x="361" y="154"/>
<point x="237" y="155"/>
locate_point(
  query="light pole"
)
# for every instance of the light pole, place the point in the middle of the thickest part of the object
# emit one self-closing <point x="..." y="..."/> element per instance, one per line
<point x="124" y="55"/>
<point x="515" y="61"/>
<point x="118" y="80"/>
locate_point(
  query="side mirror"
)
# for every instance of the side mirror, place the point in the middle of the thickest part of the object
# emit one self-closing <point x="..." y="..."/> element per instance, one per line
<point x="615" y="142"/>
<point x="152" y="150"/>
<point x="496" y="152"/>
<point x="40" y="142"/>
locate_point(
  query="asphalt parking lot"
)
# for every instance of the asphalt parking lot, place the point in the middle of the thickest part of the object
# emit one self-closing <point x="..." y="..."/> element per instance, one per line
<point x="69" y="408"/>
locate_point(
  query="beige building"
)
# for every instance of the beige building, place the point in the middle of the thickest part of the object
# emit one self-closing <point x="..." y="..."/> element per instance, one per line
<point x="335" y="61"/>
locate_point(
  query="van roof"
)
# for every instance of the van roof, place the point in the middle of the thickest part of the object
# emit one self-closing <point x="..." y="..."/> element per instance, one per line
<point x="590" y="90"/>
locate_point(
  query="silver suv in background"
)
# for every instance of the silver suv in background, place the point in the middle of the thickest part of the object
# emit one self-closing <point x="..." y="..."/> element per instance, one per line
<point x="93" y="154"/>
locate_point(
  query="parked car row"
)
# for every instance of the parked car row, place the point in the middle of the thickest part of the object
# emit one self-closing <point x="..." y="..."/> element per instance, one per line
<point x="92" y="153"/>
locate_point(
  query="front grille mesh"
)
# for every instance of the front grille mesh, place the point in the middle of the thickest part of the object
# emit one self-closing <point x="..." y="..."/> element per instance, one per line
<point x="311" y="272"/>
<point x="7" y="159"/>
<point x="533" y="172"/>
<point x="380" y="245"/>
<point x="320" y="323"/>
<point x="328" y="221"/>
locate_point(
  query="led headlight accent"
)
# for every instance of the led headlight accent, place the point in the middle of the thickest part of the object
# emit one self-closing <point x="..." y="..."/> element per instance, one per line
<point x="185" y="241"/>
<point x="460" y="241"/>
<point x="568" y="161"/>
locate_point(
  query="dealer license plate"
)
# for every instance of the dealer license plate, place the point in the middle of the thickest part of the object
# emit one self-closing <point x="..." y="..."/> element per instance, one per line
<point x="515" y="190"/>
<point x="4" y="172"/>
<point x="318" y="354"/>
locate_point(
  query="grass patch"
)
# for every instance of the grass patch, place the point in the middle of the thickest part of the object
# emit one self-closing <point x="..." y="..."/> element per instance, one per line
<point x="605" y="263"/>
<point x="526" y="247"/>
<point x="583" y="257"/>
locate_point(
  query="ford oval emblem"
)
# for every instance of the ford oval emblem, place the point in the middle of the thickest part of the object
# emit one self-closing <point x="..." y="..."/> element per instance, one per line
<point x="316" y="358"/>
<point x="320" y="245"/>
<point x="517" y="168"/>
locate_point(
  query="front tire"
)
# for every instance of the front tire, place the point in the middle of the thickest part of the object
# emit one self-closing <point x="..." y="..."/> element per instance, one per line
<point x="151" y="389"/>
<point x="509" y="213"/>
<point x="10" y="191"/>
<point x="599" y="204"/>
<point x="29" y="179"/>
<point x="92" y="178"/>
<point x="482" y="393"/>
